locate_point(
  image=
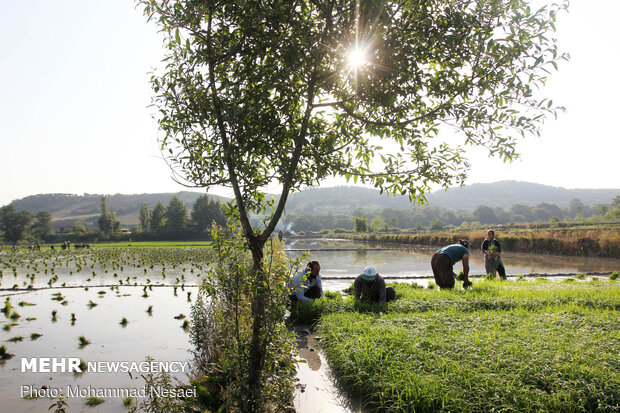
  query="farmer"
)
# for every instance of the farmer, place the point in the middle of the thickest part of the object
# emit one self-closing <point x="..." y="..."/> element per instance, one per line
<point x="306" y="285"/>
<point x="444" y="260"/>
<point x="370" y="286"/>
<point x="492" y="259"/>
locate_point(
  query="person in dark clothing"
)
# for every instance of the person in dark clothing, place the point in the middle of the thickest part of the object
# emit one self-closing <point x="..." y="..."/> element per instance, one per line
<point x="443" y="262"/>
<point x="492" y="258"/>
<point x="370" y="286"/>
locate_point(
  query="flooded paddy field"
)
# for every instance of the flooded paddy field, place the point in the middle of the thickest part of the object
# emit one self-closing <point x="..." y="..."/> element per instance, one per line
<point x="58" y="296"/>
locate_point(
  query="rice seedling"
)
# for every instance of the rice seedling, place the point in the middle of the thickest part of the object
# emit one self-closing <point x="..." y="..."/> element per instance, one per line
<point x="91" y="304"/>
<point x="614" y="276"/>
<point x="128" y="402"/>
<point x="8" y="326"/>
<point x="83" y="366"/>
<point x="124" y="322"/>
<point x="14" y="315"/>
<point x="24" y="304"/>
<point x="83" y="341"/>
<point x="149" y="310"/>
<point x="4" y="354"/>
<point x="35" y="336"/>
<point x="93" y="401"/>
<point x="54" y="313"/>
<point x="7" y="306"/>
<point x="185" y="325"/>
<point x="16" y="339"/>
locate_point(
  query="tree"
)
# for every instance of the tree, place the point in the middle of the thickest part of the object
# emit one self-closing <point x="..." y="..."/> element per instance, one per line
<point x="360" y="224"/>
<point x="145" y="218"/>
<point x="205" y="211"/>
<point x="107" y="222"/>
<point x="485" y="215"/>
<point x="14" y="224"/>
<point x="377" y="224"/>
<point x="42" y="226"/>
<point x="257" y="93"/>
<point x="158" y="217"/>
<point x="176" y="216"/>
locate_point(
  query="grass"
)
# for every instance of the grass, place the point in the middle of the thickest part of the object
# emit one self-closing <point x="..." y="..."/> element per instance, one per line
<point x="531" y="346"/>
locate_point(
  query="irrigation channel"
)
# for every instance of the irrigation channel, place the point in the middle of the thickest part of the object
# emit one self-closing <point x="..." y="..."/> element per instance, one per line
<point x="88" y="293"/>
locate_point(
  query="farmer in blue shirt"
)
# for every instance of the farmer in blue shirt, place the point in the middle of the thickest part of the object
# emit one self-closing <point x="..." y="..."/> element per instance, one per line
<point x="443" y="261"/>
<point x="306" y="285"/>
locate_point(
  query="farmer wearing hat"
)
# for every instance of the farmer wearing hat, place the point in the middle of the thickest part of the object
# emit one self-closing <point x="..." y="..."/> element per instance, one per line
<point x="371" y="286"/>
<point x="444" y="260"/>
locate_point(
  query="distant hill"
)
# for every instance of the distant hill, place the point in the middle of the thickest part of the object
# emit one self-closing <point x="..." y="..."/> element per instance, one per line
<point x="504" y="194"/>
<point x="67" y="209"/>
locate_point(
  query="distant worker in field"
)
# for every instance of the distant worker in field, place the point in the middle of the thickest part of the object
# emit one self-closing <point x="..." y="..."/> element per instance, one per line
<point x="306" y="285"/>
<point x="370" y="286"/>
<point x="443" y="262"/>
<point x="492" y="258"/>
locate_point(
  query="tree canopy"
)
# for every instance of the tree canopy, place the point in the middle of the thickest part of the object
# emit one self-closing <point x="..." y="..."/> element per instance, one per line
<point x="14" y="224"/>
<point x="107" y="222"/>
<point x="264" y="92"/>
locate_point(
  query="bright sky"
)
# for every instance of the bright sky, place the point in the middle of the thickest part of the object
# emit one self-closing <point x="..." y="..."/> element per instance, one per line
<point x="74" y="92"/>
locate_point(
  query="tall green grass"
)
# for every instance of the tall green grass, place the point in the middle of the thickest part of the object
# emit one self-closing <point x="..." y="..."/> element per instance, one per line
<point x="501" y="347"/>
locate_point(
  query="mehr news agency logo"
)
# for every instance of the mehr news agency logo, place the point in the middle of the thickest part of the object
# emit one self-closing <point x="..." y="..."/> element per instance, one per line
<point x="75" y="365"/>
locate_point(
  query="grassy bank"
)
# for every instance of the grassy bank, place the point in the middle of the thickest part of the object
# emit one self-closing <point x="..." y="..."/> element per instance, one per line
<point x="598" y="242"/>
<point x="530" y="346"/>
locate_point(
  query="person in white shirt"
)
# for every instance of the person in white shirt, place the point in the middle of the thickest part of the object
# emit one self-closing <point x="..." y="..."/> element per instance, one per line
<point x="306" y="285"/>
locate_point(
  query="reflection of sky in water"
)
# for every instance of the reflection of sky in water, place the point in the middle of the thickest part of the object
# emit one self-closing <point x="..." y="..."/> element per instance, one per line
<point x="348" y="259"/>
<point x="158" y="335"/>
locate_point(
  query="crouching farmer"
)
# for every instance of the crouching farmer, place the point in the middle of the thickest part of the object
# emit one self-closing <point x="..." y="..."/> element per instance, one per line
<point x="370" y="286"/>
<point x="444" y="260"/>
<point x="306" y="285"/>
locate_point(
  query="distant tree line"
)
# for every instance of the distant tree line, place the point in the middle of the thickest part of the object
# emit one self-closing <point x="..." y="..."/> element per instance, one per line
<point x="173" y="221"/>
<point x="432" y="218"/>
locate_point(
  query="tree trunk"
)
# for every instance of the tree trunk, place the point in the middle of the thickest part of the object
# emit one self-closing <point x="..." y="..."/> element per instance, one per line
<point x="258" y="344"/>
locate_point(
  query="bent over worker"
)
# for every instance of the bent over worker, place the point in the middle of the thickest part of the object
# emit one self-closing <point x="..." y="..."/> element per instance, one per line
<point x="443" y="262"/>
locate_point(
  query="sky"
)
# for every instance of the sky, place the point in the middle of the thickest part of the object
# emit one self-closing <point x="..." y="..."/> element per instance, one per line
<point x="75" y="96"/>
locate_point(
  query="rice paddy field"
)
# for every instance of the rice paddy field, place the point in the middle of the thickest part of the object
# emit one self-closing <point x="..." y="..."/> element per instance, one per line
<point x="531" y="346"/>
<point x="114" y="304"/>
<point x="520" y="345"/>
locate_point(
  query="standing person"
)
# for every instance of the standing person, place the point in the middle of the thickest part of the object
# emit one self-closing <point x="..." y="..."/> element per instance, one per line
<point x="443" y="261"/>
<point x="306" y="285"/>
<point x="371" y="286"/>
<point x="492" y="258"/>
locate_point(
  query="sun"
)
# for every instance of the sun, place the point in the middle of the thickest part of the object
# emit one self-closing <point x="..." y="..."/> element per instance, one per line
<point x="358" y="57"/>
